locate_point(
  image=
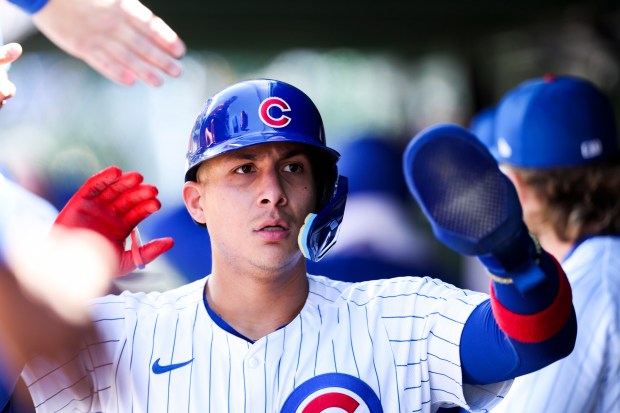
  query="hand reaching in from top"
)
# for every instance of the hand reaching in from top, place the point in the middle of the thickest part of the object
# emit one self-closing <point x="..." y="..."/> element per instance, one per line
<point x="121" y="39"/>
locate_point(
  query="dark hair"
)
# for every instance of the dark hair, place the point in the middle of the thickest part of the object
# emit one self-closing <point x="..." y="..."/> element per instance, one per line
<point x="579" y="201"/>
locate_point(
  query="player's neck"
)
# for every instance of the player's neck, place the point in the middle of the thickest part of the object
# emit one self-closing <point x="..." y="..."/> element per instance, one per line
<point x="535" y="216"/>
<point x="553" y="245"/>
<point x="256" y="306"/>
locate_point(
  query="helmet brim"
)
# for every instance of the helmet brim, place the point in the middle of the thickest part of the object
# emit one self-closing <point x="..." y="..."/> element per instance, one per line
<point x="245" y="141"/>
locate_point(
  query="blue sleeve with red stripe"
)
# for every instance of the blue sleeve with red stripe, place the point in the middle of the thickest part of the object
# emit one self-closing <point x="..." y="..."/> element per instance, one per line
<point x="513" y="334"/>
<point x="29" y="6"/>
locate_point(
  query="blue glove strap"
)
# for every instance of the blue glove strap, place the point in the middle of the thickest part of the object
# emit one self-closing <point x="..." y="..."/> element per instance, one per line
<point x="29" y="6"/>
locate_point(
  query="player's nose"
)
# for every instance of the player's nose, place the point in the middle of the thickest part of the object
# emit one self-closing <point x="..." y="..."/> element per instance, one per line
<point x="272" y="189"/>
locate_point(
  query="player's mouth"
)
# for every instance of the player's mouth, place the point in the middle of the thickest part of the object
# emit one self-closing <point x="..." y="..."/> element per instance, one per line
<point x="274" y="228"/>
<point x="273" y="231"/>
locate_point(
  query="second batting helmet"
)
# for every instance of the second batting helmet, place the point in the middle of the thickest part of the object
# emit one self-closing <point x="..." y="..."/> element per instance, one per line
<point x="263" y="111"/>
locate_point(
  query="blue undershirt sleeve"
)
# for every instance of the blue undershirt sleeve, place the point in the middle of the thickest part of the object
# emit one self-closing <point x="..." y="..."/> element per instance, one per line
<point x="29" y="6"/>
<point x="489" y="356"/>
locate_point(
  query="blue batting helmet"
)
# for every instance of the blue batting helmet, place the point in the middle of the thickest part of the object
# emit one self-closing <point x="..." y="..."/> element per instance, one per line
<point x="263" y="111"/>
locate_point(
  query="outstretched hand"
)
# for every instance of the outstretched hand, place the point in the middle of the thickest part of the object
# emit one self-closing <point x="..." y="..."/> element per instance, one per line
<point x="8" y="54"/>
<point x="121" y="39"/>
<point x="471" y="205"/>
<point x="113" y="203"/>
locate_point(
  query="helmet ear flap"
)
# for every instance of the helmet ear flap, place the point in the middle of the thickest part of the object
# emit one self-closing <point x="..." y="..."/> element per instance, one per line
<point x="325" y="173"/>
<point x="320" y="230"/>
<point x="326" y="186"/>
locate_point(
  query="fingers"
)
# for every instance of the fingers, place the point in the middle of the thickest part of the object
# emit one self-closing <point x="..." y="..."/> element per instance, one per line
<point x="112" y="202"/>
<point x="7" y="88"/>
<point x="139" y="212"/>
<point x="154" y="44"/>
<point x="105" y="63"/>
<point x="128" y="198"/>
<point x="99" y="182"/>
<point x="155" y="248"/>
<point x="9" y="53"/>
<point x="154" y="29"/>
<point x="148" y="252"/>
<point x="138" y="49"/>
<point x="132" y="57"/>
<point x="122" y="186"/>
<point x="131" y="197"/>
<point x="167" y="39"/>
<point x="110" y="183"/>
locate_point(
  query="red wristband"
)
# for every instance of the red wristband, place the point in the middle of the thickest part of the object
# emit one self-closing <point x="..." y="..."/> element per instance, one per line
<point x="538" y="327"/>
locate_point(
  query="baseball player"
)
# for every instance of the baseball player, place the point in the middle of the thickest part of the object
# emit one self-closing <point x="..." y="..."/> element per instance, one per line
<point x="259" y="334"/>
<point x="556" y="138"/>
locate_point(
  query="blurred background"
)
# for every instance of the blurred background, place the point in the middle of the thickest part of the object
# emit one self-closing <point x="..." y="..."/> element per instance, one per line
<point x="386" y="69"/>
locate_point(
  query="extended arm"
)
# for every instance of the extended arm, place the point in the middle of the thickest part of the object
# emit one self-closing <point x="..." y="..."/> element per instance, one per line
<point x="121" y="39"/>
<point x="513" y="334"/>
<point x="529" y="321"/>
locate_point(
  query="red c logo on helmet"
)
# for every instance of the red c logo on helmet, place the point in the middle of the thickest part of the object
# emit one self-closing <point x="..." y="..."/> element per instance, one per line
<point x="265" y="116"/>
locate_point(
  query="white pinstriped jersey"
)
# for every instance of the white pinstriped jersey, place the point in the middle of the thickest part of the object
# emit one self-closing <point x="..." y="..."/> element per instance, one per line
<point x="588" y="380"/>
<point x="379" y="346"/>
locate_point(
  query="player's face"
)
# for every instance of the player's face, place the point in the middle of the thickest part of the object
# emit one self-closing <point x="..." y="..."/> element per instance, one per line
<point x="255" y="201"/>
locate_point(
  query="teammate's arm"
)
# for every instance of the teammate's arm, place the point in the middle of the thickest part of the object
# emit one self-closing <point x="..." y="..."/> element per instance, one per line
<point x="515" y="333"/>
<point x="473" y="208"/>
<point x="121" y="39"/>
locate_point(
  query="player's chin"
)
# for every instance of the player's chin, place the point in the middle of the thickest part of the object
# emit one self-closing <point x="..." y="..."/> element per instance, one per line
<point x="278" y="257"/>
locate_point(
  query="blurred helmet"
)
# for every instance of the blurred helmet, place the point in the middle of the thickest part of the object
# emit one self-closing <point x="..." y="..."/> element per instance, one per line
<point x="263" y="111"/>
<point x="555" y="122"/>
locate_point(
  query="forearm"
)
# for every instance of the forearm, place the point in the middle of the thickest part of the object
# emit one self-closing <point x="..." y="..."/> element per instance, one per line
<point x="516" y="333"/>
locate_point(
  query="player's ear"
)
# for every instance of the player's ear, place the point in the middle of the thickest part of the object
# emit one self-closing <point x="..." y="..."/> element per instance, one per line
<point x="192" y="192"/>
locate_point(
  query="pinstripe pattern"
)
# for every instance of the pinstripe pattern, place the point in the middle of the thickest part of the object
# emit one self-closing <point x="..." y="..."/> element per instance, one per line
<point x="588" y="380"/>
<point x="399" y="336"/>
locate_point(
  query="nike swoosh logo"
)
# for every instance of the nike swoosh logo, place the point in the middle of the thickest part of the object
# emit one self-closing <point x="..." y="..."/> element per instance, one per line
<point x="159" y="369"/>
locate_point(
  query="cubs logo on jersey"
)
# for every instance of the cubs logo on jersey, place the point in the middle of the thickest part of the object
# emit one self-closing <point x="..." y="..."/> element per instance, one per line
<point x="266" y="113"/>
<point x="333" y="392"/>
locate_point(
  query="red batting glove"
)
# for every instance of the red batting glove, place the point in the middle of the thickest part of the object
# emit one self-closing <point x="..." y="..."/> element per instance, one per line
<point x="112" y="203"/>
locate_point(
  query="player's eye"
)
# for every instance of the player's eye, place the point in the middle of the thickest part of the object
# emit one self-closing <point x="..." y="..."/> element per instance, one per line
<point x="244" y="169"/>
<point x="293" y="168"/>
